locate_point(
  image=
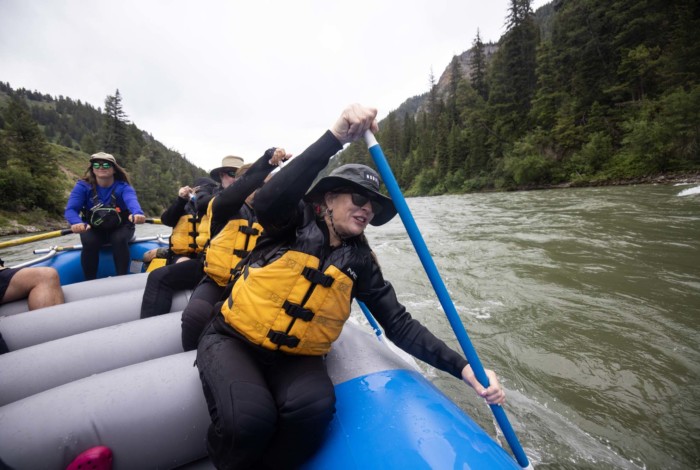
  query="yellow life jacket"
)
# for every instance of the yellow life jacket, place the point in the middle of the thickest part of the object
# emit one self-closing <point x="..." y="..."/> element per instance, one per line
<point x="183" y="239"/>
<point x="230" y="246"/>
<point x="290" y="304"/>
<point x="204" y="229"/>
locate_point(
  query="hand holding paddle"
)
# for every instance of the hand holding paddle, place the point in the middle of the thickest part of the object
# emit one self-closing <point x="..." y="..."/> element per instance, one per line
<point x="353" y="122"/>
<point x="82" y="227"/>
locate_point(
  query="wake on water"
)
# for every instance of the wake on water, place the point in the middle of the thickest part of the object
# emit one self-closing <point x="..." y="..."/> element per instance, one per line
<point x="690" y="191"/>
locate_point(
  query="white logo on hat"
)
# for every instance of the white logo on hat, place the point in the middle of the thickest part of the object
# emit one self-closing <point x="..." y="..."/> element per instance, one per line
<point x="372" y="178"/>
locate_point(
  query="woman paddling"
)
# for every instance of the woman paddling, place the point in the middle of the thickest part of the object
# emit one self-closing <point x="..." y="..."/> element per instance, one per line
<point x="261" y="360"/>
<point x="103" y="208"/>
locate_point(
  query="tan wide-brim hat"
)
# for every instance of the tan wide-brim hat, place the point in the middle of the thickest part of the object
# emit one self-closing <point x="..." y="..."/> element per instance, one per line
<point x="101" y="156"/>
<point x="230" y="162"/>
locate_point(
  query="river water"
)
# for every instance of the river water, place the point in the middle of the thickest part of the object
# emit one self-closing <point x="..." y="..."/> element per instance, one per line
<point x="586" y="302"/>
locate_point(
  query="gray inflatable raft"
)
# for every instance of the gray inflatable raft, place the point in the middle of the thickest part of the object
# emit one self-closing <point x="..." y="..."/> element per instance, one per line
<point x="151" y="414"/>
<point x="79" y="315"/>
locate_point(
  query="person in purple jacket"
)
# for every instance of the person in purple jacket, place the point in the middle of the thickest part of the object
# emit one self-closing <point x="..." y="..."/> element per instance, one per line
<point x="103" y="208"/>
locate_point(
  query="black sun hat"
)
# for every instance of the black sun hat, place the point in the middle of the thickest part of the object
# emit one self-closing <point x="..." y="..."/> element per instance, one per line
<point x="205" y="182"/>
<point x="360" y="177"/>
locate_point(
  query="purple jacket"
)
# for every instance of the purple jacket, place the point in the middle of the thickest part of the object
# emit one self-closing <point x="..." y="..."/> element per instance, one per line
<point x="81" y="199"/>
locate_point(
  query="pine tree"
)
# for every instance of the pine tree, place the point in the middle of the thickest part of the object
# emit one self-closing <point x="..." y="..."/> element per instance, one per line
<point x="549" y="96"/>
<point x="114" y="129"/>
<point x="513" y="79"/>
<point x="477" y="64"/>
<point x="475" y="130"/>
<point x="434" y="102"/>
<point x="455" y="77"/>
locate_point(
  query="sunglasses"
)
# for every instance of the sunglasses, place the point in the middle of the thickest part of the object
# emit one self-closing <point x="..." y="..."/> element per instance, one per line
<point x="231" y="173"/>
<point x="360" y="200"/>
<point x="105" y="165"/>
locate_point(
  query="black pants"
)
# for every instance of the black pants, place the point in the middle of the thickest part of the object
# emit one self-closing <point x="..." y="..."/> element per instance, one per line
<point x="94" y="239"/>
<point x="162" y="283"/>
<point x="268" y="409"/>
<point x="199" y="311"/>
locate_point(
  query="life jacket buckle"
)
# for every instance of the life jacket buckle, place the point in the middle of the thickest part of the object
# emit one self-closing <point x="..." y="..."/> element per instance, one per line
<point x="317" y="277"/>
<point x="297" y="311"/>
<point x="241" y="253"/>
<point x="283" y="339"/>
<point x="248" y="230"/>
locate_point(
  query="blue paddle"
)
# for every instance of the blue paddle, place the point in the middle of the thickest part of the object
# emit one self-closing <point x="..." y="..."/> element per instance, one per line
<point x="431" y="270"/>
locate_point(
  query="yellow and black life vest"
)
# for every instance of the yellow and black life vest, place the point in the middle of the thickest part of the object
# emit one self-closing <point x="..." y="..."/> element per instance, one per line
<point x="231" y="245"/>
<point x="298" y="302"/>
<point x="183" y="239"/>
<point x="204" y="229"/>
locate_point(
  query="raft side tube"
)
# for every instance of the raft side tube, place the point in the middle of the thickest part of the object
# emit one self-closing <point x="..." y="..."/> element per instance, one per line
<point x="74" y="357"/>
<point x="396" y="419"/>
<point x="59" y="321"/>
<point x="388" y="414"/>
<point x="152" y="415"/>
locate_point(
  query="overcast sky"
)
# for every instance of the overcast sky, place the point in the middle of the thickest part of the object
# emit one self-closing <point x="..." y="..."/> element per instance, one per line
<point x="211" y="78"/>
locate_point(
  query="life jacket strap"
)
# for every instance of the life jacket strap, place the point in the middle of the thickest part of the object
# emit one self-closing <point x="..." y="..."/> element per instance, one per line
<point x="297" y="311"/>
<point x="283" y="339"/>
<point x="317" y="277"/>
<point x="248" y="230"/>
<point x="241" y="253"/>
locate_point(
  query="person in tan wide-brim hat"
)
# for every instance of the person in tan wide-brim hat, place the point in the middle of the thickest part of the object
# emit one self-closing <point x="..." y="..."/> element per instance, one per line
<point x="103" y="208"/>
<point x="229" y="163"/>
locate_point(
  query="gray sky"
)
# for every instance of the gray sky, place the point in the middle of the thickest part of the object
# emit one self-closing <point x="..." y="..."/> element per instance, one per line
<point x="211" y="78"/>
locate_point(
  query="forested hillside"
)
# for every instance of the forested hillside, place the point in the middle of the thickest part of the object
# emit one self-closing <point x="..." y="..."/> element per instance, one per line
<point x="581" y="92"/>
<point x="45" y="144"/>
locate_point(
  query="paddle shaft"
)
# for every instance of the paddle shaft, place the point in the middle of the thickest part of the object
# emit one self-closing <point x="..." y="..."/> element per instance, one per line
<point x="448" y="306"/>
<point x="54" y="234"/>
<point x="370" y="318"/>
<point x="80" y="247"/>
<point x="35" y="238"/>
